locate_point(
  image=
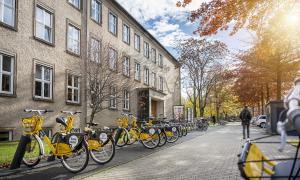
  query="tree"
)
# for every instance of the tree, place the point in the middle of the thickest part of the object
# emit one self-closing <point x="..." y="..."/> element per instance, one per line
<point x="200" y="58"/>
<point x="216" y="15"/>
<point x="106" y="84"/>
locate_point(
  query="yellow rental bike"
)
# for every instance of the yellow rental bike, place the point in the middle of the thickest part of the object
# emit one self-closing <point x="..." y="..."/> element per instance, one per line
<point x="71" y="148"/>
<point x="100" y="142"/>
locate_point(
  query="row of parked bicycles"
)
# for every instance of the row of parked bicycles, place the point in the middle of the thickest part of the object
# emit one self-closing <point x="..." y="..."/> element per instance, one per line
<point x="74" y="149"/>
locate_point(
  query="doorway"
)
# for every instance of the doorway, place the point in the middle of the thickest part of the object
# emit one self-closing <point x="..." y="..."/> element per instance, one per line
<point x="153" y="108"/>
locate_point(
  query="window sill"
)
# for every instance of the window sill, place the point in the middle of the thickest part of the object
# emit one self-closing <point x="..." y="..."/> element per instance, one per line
<point x="73" y="103"/>
<point x="116" y="35"/>
<point x="137" y="80"/>
<point x="137" y="50"/>
<point x="43" y="41"/>
<point x="99" y="23"/>
<point x="146" y="84"/>
<point x="78" y="9"/>
<point x="126" y="110"/>
<point x="73" y="54"/>
<point x="127" y="76"/>
<point x="128" y="43"/>
<point x="113" y="108"/>
<point x="14" y="28"/>
<point x="8" y="95"/>
<point x="44" y="100"/>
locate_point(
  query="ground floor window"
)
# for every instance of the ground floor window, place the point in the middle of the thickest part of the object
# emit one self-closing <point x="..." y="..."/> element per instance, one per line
<point x="43" y="81"/>
<point x="73" y="89"/>
<point x="6" y="74"/>
<point x="6" y="135"/>
<point x="126" y="100"/>
<point x="113" y="97"/>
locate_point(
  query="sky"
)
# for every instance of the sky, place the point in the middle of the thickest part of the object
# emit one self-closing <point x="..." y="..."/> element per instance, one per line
<point x="169" y="24"/>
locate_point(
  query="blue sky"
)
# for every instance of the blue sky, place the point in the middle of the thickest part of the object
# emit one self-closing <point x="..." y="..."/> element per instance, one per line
<point x="169" y="24"/>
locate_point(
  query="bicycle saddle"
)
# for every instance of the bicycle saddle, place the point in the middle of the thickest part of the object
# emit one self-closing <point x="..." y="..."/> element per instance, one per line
<point x="61" y="120"/>
<point x="92" y="124"/>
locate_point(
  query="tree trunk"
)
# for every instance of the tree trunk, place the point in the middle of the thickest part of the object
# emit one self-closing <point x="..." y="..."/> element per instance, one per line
<point x="262" y="101"/>
<point x="268" y="92"/>
<point x="279" y="82"/>
<point x="258" y="108"/>
<point x="195" y="102"/>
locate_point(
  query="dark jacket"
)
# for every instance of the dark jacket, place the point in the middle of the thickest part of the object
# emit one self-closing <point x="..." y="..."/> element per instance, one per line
<point x="245" y="116"/>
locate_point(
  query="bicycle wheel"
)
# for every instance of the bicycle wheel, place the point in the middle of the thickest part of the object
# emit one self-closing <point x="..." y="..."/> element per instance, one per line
<point x="33" y="152"/>
<point x="120" y="137"/>
<point x="184" y="131"/>
<point x="105" y="153"/>
<point x="132" y="136"/>
<point x="163" y="138"/>
<point x="179" y="128"/>
<point x="175" y="136"/>
<point x="152" y="139"/>
<point x="78" y="160"/>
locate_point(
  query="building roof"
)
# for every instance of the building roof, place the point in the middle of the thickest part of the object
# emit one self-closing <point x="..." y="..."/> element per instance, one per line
<point x="142" y="27"/>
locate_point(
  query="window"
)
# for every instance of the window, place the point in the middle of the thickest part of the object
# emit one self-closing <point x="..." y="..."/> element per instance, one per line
<point x="126" y="66"/>
<point x="95" y="50"/>
<point x="6" y="135"/>
<point x="146" y="49"/>
<point x="126" y="34"/>
<point x="113" y="23"/>
<point x="137" y="72"/>
<point x="161" y="83"/>
<point x="6" y="74"/>
<point x="137" y="42"/>
<point x="153" y="80"/>
<point x="113" y="55"/>
<point x="76" y="3"/>
<point x="96" y="10"/>
<point x="113" y="97"/>
<point x="43" y="82"/>
<point x="73" y="42"/>
<point x="73" y="89"/>
<point x="126" y="100"/>
<point x="160" y="60"/>
<point x="153" y="55"/>
<point x="146" y="76"/>
<point x="44" y="24"/>
<point x="8" y="12"/>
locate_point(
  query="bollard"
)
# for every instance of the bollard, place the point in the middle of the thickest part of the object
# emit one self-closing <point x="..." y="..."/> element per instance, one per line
<point x="19" y="154"/>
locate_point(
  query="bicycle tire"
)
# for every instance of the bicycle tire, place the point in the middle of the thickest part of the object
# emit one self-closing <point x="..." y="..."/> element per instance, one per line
<point x="131" y="138"/>
<point x="99" y="161"/>
<point x="163" y="138"/>
<point x="144" y="142"/>
<point x="35" y="162"/>
<point x="173" y="138"/>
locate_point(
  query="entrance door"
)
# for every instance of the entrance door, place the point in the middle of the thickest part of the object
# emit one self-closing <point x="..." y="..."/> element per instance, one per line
<point x="153" y="108"/>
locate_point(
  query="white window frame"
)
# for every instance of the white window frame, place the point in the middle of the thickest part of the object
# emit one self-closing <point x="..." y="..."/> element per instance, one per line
<point x="153" y="79"/>
<point x="43" y="23"/>
<point x="147" y="76"/>
<point x="114" y="31"/>
<point x="13" y="8"/>
<point x="137" y="71"/>
<point x="73" y="88"/>
<point x="73" y="3"/>
<point x="126" y="66"/>
<point x="95" y="51"/>
<point x="146" y="49"/>
<point x="11" y="74"/>
<point x="112" y="61"/>
<point x="94" y="9"/>
<point x="43" y="81"/>
<point x="126" y="104"/>
<point x="161" y="83"/>
<point x="70" y="38"/>
<point x="137" y="42"/>
<point x="126" y="34"/>
<point x="153" y="55"/>
<point x="160" y="60"/>
<point x="113" y="97"/>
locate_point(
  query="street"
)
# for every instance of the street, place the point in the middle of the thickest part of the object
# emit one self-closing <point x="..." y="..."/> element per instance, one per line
<point x="199" y="155"/>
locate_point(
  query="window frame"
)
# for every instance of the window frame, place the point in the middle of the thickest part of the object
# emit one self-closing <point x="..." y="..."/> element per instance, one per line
<point x="146" y="49"/>
<point x="78" y="8"/>
<point x="115" y="68"/>
<point x="146" y="76"/>
<point x="100" y="13"/>
<point x="52" y="13"/>
<point x="128" y="35"/>
<point x="160" y="60"/>
<point x="70" y="23"/>
<point x="10" y="134"/>
<point x="139" y="42"/>
<point x="73" y="75"/>
<point x="92" y="38"/>
<point x="126" y="100"/>
<point x="137" y="64"/>
<point x="153" y="58"/>
<point x="115" y="15"/>
<point x="113" y="97"/>
<point x="42" y="98"/>
<point x="123" y="69"/>
<point x="153" y="80"/>
<point x="161" y="83"/>
<point x="15" y="24"/>
<point x="12" y="74"/>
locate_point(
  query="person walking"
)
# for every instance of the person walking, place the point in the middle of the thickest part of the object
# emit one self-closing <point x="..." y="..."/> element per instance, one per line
<point x="245" y="116"/>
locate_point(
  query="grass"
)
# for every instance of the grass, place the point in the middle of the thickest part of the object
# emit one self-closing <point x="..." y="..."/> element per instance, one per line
<point x="8" y="149"/>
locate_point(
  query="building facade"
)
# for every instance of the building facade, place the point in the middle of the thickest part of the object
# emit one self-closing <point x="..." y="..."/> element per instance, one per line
<point x="43" y="49"/>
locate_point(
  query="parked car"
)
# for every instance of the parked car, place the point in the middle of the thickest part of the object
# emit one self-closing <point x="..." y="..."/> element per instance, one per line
<point x="253" y="120"/>
<point x="261" y="121"/>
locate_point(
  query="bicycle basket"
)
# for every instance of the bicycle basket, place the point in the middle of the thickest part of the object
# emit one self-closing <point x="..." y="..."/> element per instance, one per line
<point x="29" y="124"/>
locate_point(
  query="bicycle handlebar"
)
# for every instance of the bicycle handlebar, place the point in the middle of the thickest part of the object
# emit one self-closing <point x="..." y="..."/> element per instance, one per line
<point x="39" y="111"/>
<point x="71" y="112"/>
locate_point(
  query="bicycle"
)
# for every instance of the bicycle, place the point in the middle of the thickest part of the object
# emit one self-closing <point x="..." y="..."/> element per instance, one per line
<point x="69" y="148"/>
<point x="100" y="142"/>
